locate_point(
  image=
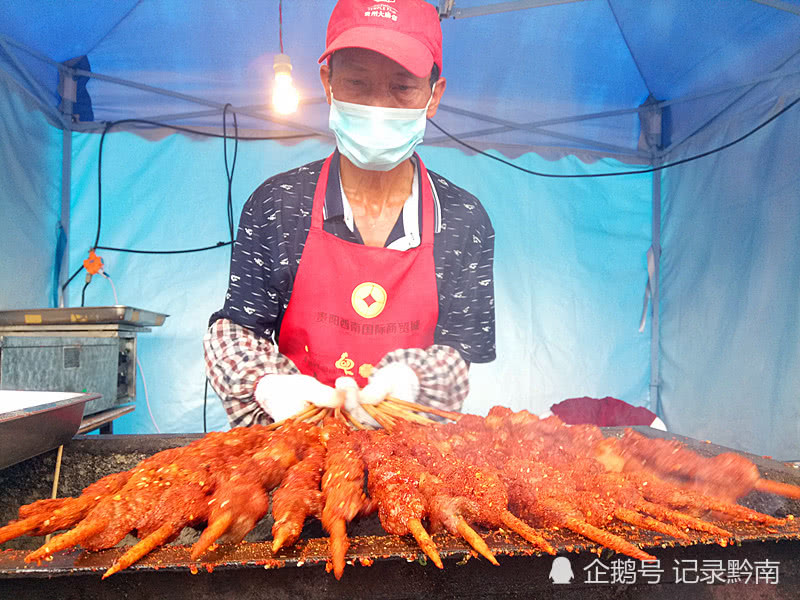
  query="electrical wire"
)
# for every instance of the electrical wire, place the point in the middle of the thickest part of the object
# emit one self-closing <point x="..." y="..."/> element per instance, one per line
<point x="205" y="406"/>
<point x="146" y="395"/>
<point x="187" y="251"/>
<point x="621" y="173"/>
<point x="280" y="23"/>
<point x="113" y="287"/>
<point x="157" y="124"/>
<point x="71" y="277"/>
<point x="229" y="171"/>
<point x="111" y="124"/>
<point x="106" y="129"/>
<point x="138" y="363"/>
<point x="83" y="291"/>
<point x="229" y="175"/>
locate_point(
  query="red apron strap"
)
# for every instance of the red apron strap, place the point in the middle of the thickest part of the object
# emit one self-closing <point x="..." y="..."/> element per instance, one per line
<point x="428" y="224"/>
<point x="319" y="195"/>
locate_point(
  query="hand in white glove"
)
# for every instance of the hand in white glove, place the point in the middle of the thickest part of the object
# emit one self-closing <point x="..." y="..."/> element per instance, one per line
<point x="282" y="396"/>
<point x="352" y="401"/>
<point x="396" y="379"/>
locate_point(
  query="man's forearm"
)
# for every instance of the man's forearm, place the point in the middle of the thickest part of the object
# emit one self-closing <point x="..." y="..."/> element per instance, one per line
<point x="236" y="359"/>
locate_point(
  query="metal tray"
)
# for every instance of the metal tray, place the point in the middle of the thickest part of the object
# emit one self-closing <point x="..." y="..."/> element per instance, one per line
<point x="35" y="422"/>
<point x="119" y="314"/>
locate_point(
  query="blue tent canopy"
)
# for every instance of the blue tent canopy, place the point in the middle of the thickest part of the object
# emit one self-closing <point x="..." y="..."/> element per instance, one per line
<point x="539" y="67"/>
<point x="577" y="87"/>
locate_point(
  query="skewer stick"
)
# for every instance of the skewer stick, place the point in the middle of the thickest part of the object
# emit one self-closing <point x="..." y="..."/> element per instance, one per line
<point x="212" y="533"/>
<point x="424" y="540"/>
<point x="56" y="475"/>
<point x="323" y="412"/>
<point x="353" y="421"/>
<point x="158" y="538"/>
<point x="280" y="539"/>
<point x="85" y="529"/>
<point x="386" y="416"/>
<point x="474" y="540"/>
<point x="779" y="488"/>
<point x="301" y="416"/>
<point x="405" y="414"/>
<point x="609" y="540"/>
<point x="741" y="513"/>
<point x="338" y="544"/>
<point x="453" y="416"/>
<point x="381" y="418"/>
<point x="525" y="531"/>
<point x="682" y="520"/>
<point x="644" y="522"/>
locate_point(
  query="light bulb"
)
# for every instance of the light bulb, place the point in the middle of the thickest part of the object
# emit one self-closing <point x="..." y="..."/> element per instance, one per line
<point x="284" y="95"/>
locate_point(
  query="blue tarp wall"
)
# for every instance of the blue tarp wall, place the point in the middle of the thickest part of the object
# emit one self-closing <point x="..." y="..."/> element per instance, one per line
<point x="571" y="254"/>
<point x="570" y="265"/>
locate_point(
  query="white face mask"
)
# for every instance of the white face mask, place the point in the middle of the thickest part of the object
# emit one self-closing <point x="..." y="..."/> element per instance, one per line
<point x="376" y="138"/>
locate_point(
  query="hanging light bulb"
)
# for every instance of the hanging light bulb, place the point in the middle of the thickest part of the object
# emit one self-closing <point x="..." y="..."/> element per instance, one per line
<point x="284" y="95"/>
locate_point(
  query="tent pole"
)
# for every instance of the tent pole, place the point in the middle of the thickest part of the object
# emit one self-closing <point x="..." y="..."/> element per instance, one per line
<point x="655" y="377"/>
<point x="37" y="90"/>
<point x="651" y="138"/>
<point x="217" y="111"/>
<point x="524" y="127"/>
<point x="197" y="100"/>
<point x="452" y="12"/>
<point x="67" y="87"/>
<point x="66" y="184"/>
<point x="780" y="5"/>
<point x="612" y="113"/>
<point x="508" y="126"/>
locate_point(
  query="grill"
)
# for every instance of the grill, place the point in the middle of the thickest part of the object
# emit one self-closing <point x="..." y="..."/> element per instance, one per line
<point x="383" y="566"/>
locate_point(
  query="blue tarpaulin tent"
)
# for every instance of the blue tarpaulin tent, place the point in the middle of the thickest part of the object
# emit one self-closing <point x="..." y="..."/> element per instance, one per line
<point x="569" y="87"/>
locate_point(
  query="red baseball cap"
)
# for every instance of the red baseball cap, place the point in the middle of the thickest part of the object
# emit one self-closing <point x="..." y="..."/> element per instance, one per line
<point x="406" y="31"/>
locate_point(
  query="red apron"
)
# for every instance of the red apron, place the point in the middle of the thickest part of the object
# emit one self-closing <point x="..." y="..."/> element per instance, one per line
<point x="351" y="303"/>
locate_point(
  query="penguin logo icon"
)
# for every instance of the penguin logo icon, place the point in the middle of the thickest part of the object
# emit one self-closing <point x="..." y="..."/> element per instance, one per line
<point x="561" y="571"/>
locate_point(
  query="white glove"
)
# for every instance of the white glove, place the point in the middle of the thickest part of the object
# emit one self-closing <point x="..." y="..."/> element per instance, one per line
<point x="396" y="379"/>
<point x="282" y="396"/>
<point x="352" y="401"/>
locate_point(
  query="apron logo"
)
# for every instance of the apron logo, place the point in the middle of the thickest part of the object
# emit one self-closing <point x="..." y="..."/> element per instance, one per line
<point x="368" y="299"/>
<point x="345" y="364"/>
<point x="365" y="370"/>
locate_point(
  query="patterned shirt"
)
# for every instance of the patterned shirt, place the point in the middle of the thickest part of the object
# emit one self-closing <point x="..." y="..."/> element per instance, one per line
<point x="272" y="232"/>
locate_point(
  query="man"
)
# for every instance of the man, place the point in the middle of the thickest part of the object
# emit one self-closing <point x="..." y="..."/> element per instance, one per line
<point x="363" y="265"/>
